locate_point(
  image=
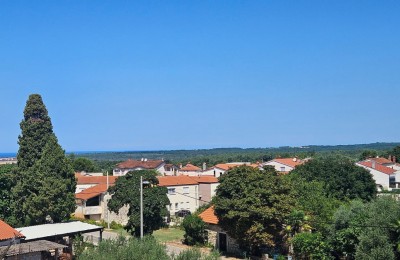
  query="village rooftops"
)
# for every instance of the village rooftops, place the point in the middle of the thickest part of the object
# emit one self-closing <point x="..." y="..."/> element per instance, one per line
<point x="292" y="162"/>
<point x="94" y="179"/>
<point x="380" y="160"/>
<point x="7" y="232"/>
<point x="228" y="166"/>
<point x="378" y="167"/>
<point x="176" y="180"/>
<point x="91" y="192"/>
<point x="208" y="216"/>
<point x="145" y="164"/>
<point x="190" y="168"/>
<point x="204" y="179"/>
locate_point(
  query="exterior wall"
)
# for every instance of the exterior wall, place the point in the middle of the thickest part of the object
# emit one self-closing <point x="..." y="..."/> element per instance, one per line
<point x="9" y="241"/>
<point x="189" y="173"/>
<point x="216" y="172"/>
<point x="380" y="178"/>
<point x="279" y="166"/>
<point x="213" y="238"/>
<point x="207" y="192"/>
<point x="27" y="256"/>
<point x="183" y="200"/>
<point x="120" y="218"/>
<point x="122" y="172"/>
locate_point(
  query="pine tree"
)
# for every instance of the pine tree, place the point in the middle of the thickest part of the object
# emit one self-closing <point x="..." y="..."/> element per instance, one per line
<point x="45" y="178"/>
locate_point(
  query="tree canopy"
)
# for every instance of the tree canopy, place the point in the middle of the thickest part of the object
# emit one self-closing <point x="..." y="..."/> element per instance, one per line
<point x="126" y="192"/>
<point x="341" y="178"/>
<point x="44" y="179"/>
<point x="252" y="205"/>
<point x="83" y="164"/>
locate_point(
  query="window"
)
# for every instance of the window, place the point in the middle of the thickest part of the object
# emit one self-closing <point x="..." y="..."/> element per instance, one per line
<point x="171" y="190"/>
<point x="176" y="206"/>
<point x="187" y="205"/>
<point x="282" y="168"/>
<point x="181" y="205"/>
<point x="185" y="190"/>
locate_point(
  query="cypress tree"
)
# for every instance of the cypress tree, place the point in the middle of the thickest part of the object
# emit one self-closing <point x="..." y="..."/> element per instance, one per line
<point x="45" y="178"/>
<point x="35" y="130"/>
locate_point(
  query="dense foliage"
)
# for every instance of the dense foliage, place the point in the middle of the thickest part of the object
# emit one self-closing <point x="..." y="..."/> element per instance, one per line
<point x="341" y="178"/>
<point x="252" y="206"/>
<point x="44" y="179"/>
<point x="82" y="164"/>
<point x="195" y="230"/>
<point x="147" y="249"/>
<point x="126" y="192"/>
<point x="7" y="182"/>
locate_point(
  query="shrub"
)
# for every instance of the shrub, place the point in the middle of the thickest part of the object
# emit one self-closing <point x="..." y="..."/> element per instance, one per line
<point x="195" y="230"/>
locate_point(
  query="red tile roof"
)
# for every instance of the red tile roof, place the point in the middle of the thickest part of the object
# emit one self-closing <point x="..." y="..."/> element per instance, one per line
<point x="228" y="166"/>
<point x="292" y="162"/>
<point x="7" y="232"/>
<point x="378" y="167"/>
<point x="175" y="180"/>
<point x="381" y="160"/>
<point x="132" y="164"/>
<point x="190" y="168"/>
<point x="94" y="179"/>
<point x="209" y="216"/>
<point x="91" y="192"/>
<point x="204" y="179"/>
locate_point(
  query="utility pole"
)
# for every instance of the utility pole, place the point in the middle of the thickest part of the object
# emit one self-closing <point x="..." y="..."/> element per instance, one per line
<point x="108" y="199"/>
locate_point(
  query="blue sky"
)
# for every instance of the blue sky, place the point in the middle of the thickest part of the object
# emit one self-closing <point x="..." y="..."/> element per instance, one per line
<point x="149" y="75"/>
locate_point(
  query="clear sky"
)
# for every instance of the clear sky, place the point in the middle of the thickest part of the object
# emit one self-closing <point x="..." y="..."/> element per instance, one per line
<point x="149" y="75"/>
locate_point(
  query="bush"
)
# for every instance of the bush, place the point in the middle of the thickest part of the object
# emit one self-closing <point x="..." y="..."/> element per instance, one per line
<point x="195" y="254"/>
<point x="195" y="230"/>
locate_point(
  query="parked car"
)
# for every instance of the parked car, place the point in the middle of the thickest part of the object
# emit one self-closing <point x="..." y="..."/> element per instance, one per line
<point x="182" y="213"/>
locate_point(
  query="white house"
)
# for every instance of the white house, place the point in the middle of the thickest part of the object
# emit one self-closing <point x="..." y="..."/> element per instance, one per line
<point x="84" y="182"/>
<point x="190" y="170"/>
<point x="222" y="168"/>
<point x="183" y="193"/>
<point x="284" y="165"/>
<point x="385" y="177"/>
<point x="135" y="165"/>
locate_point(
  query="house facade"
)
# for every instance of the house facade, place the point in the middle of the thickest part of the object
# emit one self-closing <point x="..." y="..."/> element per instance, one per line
<point x="189" y="170"/>
<point x="134" y="165"/>
<point x="222" y="168"/>
<point x="284" y="165"/>
<point x="183" y="193"/>
<point x="386" y="178"/>
<point x="8" y="235"/>
<point x="207" y="188"/>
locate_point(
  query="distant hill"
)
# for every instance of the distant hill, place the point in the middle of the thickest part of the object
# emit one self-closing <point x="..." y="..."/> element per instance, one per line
<point x="217" y="155"/>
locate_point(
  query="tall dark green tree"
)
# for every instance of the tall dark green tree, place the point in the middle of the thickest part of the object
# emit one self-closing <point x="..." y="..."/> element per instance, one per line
<point x="7" y="182"/>
<point x="45" y="181"/>
<point x="126" y="191"/>
<point x="36" y="128"/>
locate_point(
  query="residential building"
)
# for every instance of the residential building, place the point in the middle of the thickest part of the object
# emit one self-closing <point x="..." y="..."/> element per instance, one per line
<point x="135" y="165"/>
<point x="222" y="168"/>
<point x="9" y="235"/>
<point x="216" y="235"/>
<point x="84" y="181"/>
<point x="183" y="193"/>
<point x="170" y="169"/>
<point x="207" y="188"/>
<point x="190" y="170"/>
<point x="8" y="160"/>
<point x="284" y="165"/>
<point x="385" y="177"/>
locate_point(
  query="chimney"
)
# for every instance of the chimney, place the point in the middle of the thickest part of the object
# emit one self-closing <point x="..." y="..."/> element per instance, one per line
<point x="145" y="159"/>
<point x="204" y="166"/>
<point x="142" y="159"/>
<point x="373" y="164"/>
<point x="393" y="159"/>
<point x="180" y="166"/>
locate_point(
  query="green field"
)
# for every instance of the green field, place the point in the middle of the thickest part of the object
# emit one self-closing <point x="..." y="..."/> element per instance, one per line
<point x="168" y="235"/>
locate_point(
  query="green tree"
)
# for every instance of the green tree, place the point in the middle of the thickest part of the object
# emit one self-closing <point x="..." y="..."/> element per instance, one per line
<point x="368" y="154"/>
<point x="126" y="191"/>
<point x="374" y="244"/>
<point x="36" y="127"/>
<point x="310" y="246"/>
<point x="83" y="164"/>
<point x="7" y="182"/>
<point x="48" y="190"/>
<point x="252" y="206"/>
<point x="195" y="230"/>
<point x="396" y="152"/>
<point x="342" y="179"/>
<point x="45" y="182"/>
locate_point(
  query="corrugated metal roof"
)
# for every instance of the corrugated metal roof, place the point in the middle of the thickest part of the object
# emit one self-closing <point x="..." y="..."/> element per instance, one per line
<point x="56" y="229"/>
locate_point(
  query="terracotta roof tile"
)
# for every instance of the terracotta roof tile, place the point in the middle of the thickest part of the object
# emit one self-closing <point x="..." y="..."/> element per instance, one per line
<point x="381" y="160"/>
<point x="175" y="180"/>
<point x="292" y="162"/>
<point x="7" y="232"/>
<point x="378" y="167"/>
<point x="94" y="179"/>
<point x="132" y="164"/>
<point x="91" y="192"/>
<point x="209" y="216"/>
<point x="190" y="168"/>
<point x="204" y="179"/>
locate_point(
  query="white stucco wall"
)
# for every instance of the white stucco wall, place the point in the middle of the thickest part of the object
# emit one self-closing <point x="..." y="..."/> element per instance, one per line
<point x="279" y="166"/>
<point x="184" y="201"/>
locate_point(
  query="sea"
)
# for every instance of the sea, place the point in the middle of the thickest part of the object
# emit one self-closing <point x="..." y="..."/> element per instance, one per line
<point x="7" y="155"/>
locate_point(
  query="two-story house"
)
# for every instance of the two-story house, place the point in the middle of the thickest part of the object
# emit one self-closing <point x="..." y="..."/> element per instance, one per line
<point x="182" y="192"/>
<point x="222" y="168"/>
<point x="207" y="188"/>
<point x="284" y="165"/>
<point x="385" y="177"/>
<point x="189" y="170"/>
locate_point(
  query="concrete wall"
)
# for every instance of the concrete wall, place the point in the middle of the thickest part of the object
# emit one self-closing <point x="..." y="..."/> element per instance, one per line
<point x="279" y="166"/>
<point x="381" y="179"/>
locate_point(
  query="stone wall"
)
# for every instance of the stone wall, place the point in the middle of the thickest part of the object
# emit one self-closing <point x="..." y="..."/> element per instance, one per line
<point x="213" y="233"/>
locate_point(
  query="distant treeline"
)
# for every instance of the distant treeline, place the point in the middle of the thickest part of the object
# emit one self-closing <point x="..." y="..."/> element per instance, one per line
<point x="219" y="155"/>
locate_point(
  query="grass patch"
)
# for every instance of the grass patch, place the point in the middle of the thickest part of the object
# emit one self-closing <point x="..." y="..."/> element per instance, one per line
<point x="168" y="234"/>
